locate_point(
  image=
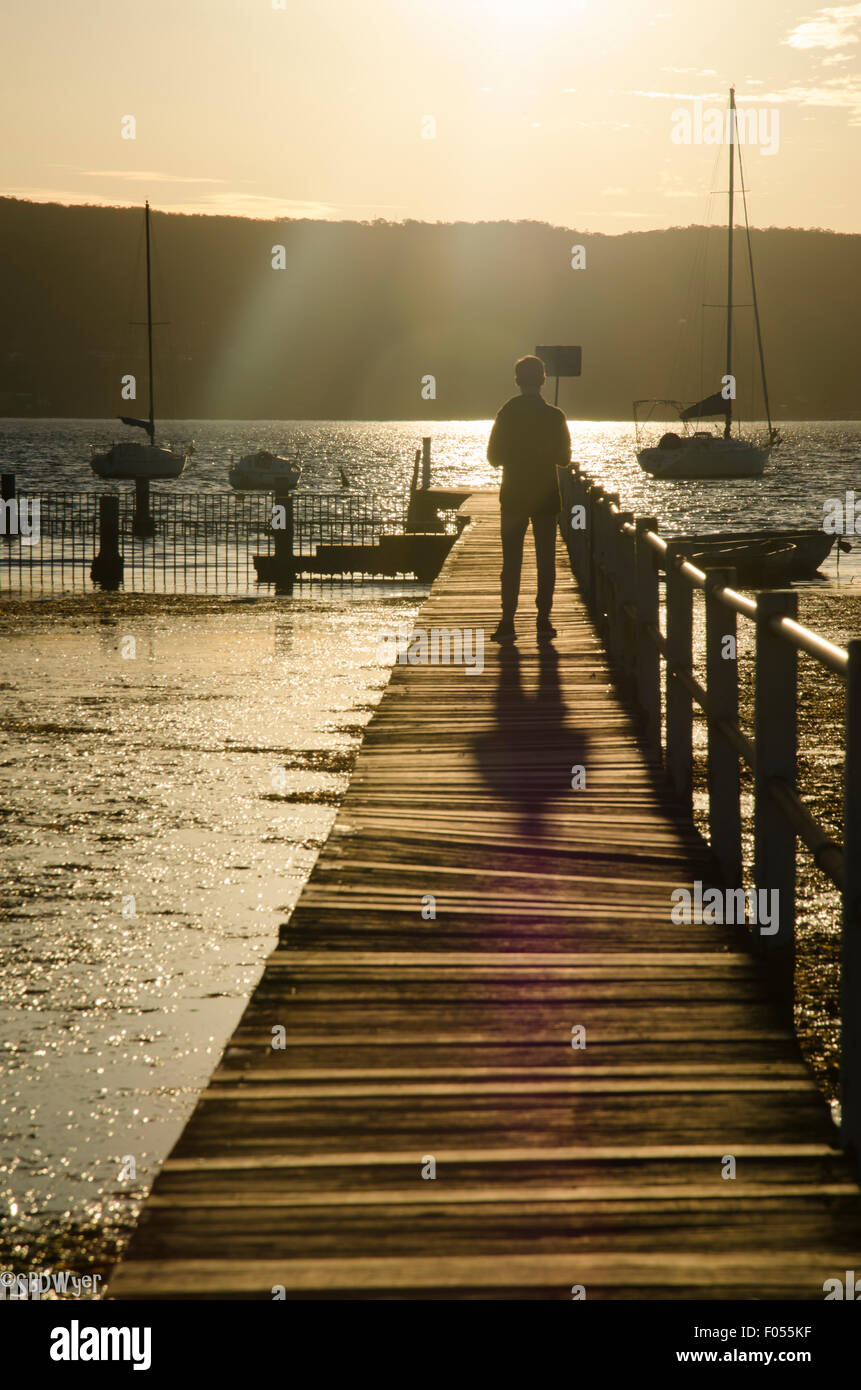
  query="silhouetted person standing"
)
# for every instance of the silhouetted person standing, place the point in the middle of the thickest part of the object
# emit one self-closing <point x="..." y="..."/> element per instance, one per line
<point x="529" y="441"/>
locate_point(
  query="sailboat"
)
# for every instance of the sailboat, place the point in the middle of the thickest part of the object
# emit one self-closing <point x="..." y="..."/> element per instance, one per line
<point x="264" y="472"/>
<point x="703" y="453"/>
<point x="129" y="459"/>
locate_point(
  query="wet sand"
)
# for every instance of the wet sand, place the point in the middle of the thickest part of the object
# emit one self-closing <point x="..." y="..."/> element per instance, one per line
<point x="161" y="812"/>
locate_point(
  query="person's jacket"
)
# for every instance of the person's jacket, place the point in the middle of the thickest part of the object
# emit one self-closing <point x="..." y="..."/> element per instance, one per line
<point x="529" y="441"/>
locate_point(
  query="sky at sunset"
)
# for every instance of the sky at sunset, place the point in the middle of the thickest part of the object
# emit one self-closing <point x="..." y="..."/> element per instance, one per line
<point x="441" y="110"/>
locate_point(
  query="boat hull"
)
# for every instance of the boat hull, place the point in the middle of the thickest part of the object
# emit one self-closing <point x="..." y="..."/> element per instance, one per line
<point x="767" y="557"/>
<point x="132" y="461"/>
<point x="264" y="472"/>
<point x="715" y="458"/>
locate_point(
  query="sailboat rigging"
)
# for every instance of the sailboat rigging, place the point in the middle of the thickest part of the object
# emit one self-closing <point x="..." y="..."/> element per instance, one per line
<point x="127" y="459"/>
<point x="703" y="454"/>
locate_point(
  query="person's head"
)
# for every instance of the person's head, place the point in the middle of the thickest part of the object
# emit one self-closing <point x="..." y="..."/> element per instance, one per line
<point x="529" y="374"/>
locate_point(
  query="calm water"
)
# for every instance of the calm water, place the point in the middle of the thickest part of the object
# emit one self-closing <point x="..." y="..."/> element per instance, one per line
<point x="815" y="461"/>
<point x="161" y="812"/>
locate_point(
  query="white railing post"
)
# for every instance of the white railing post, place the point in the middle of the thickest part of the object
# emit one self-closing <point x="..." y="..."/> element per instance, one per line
<point x="593" y="531"/>
<point x="611" y="569"/>
<point x="648" y="656"/>
<point x="723" y="763"/>
<point x="598" y="560"/>
<point x="626" y="592"/>
<point x="680" y="712"/>
<point x="775" y="738"/>
<point x="850" y="977"/>
<point x="601" y="583"/>
<point x="574" y="496"/>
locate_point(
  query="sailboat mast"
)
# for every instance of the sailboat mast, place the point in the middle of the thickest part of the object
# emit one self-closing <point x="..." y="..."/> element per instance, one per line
<point x="728" y="424"/>
<point x="756" y="319"/>
<point x="149" y="331"/>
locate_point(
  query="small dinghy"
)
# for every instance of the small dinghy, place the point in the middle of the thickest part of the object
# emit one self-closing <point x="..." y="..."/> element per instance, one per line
<point x="264" y="472"/>
<point x="760" y="557"/>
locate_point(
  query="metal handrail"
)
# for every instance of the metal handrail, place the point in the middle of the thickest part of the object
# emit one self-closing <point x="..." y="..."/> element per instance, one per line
<point x="834" y="657"/>
<point x="617" y="558"/>
<point x="803" y="638"/>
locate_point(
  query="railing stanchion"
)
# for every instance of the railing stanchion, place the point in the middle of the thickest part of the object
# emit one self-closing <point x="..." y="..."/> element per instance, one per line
<point x="648" y="657"/>
<point x="620" y="586"/>
<point x="574" y="495"/>
<point x="680" y="711"/>
<point x="723" y="762"/>
<point x="608" y="575"/>
<point x="611" y="576"/>
<point x="625" y="592"/>
<point x="775" y="741"/>
<point x="596" y="586"/>
<point x="850" y="975"/>
<point x="581" y="497"/>
<point x="588" y="536"/>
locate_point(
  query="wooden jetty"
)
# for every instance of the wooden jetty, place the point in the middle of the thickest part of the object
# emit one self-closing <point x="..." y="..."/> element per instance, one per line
<point x="433" y="1126"/>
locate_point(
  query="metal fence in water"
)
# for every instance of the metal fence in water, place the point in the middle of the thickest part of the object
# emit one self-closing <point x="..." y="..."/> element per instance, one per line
<point x="200" y="542"/>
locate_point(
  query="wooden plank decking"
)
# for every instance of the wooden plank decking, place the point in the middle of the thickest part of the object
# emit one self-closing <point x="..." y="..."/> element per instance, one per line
<point x="409" y="1038"/>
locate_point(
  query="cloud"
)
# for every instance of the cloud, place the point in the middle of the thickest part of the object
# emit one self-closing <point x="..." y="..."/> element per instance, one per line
<point x="837" y="92"/>
<point x="680" y="96"/>
<point x="65" y="196"/>
<point x="831" y="28"/>
<point x="840" y="93"/>
<point x="216" y="205"/>
<point x="144" y="176"/>
<point x="261" y="205"/>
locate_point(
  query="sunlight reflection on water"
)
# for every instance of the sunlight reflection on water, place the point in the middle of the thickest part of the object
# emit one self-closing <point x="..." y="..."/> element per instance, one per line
<point x="182" y="780"/>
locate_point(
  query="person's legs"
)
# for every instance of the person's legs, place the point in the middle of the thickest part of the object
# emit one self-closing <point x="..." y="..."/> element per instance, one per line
<point x="544" y="535"/>
<point x="512" y="530"/>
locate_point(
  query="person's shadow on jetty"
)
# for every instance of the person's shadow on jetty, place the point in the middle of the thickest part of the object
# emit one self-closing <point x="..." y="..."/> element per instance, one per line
<point x="528" y="756"/>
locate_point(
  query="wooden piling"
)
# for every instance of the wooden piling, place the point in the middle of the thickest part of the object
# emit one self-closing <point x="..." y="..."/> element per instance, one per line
<point x="723" y="762"/>
<point x="680" y="716"/>
<point x="143" y="524"/>
<point x="775" y="739"/>
<point x="107" y="566"/>
<point x="850" y="977"/>
<point x="648" y="624"/>
<point x="283" y="570"/>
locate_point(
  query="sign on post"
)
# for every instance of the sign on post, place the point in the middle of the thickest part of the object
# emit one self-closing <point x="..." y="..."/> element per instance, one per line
<point x="560" y="361"/>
